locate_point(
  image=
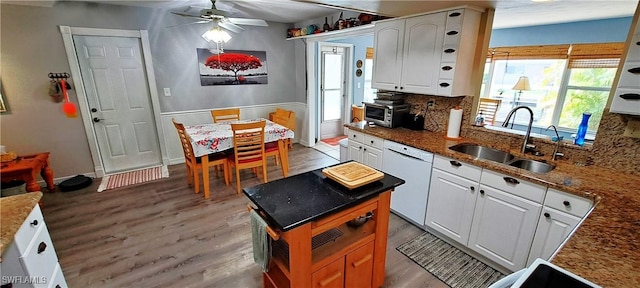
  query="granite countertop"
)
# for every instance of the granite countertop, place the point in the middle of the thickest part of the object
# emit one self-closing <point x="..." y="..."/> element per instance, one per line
<point x="13" y="211"/>
<point x="605" y="249"/>
<point x="299" y="199"/>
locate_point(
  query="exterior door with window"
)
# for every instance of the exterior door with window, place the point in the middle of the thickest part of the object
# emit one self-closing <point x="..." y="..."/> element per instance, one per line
<point x="332" y="91"/>
<point x="115" y="82"/>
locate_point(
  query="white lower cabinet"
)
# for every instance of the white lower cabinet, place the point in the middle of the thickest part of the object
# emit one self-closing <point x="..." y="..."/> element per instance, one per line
<point x="503" y="227"/>
<point x="30" y="260"/>
<point x="451" y="203"/>
<point x="560" y="216"/>
<point x="365" y="149"/>
<point x="553" y="228"/>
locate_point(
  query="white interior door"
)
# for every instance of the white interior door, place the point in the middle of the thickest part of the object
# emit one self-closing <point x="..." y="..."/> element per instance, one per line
<point x="332" y="91"/>
<point x="118" y="96"/>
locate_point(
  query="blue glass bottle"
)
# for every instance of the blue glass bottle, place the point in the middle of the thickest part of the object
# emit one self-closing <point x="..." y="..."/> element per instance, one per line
<point x="582" y="129"/>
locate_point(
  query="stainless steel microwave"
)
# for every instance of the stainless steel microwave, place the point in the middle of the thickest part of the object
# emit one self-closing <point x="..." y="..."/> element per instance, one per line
<point x="385" y="115"/>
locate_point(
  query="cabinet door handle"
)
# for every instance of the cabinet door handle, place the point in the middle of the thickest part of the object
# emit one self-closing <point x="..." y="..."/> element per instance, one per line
<point x="447" y="68"/>
<point x="328" y="281"/>
<point x="456" y="14"/>
<point x="361" y="261"/>
<point x="42" y="247"/>
<point x="635" y="70"/>
<point x="34" y="223"/>
<point x="444" y="84"/>
<point x="638" y="43"/>
<point x="547" y="215"/>
<point x="452" y="33"/>
<point x="371" y="141"/>
<point x="472" y="188"/>
<point x="449" y="51"/>
<point x="395" y="87"/>
<point x="630" y="96"/>
<point x="511" y="180"/>
<point x="481" y="192"/>
<point x="8" y="285"/>
<point x="455" y="163"/>
<point x="401" y="87"/>
<point x="566" y="203"/>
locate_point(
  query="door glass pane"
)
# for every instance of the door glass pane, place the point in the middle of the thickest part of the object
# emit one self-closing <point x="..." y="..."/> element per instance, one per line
<point x="332" y="105"/>
<point x="369" y="92"/>
<point x="332" y="63"/>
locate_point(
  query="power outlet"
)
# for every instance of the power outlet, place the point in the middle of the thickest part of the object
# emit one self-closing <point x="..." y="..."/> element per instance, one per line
<point x="431" y="104"/>
<point x="633" y="129"/>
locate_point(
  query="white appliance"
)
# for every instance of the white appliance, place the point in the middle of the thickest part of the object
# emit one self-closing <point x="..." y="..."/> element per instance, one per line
<point x="541" y="273"/>
<point x="414" y="166"/>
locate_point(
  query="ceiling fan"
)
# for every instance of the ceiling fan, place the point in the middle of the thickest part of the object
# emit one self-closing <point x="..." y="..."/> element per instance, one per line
<point x="219" y="18"/>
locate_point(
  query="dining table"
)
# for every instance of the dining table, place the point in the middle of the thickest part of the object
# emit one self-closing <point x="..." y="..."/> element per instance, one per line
<point x="217" y="137"/>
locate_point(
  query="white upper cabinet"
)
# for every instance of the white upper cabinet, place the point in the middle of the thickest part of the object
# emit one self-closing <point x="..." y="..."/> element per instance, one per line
<point x="626" y="98"/>
<point x="421" y="54"/>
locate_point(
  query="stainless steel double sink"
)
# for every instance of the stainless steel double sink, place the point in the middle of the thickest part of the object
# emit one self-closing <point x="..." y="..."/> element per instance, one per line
<point x="499" y="156"/>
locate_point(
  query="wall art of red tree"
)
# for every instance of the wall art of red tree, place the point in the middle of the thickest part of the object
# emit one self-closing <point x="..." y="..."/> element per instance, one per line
<point x="234" y="62"/>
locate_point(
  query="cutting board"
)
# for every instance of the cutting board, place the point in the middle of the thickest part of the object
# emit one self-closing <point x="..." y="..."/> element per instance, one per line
<point x="352" y="174"/>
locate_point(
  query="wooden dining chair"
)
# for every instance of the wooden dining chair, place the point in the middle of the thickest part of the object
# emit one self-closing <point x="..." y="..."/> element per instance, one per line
<point x="489" y="108"/>
<point x="225" y="114"/>
<point x="287" y="119"/>
<point x="194" y="164"/>
<point x="248" y="148"/>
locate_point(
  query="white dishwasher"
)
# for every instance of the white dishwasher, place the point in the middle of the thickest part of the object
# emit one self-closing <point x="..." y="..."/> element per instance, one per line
<point x="414" y="166"/>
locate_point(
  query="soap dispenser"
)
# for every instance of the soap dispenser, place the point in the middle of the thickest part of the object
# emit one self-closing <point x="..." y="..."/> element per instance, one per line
<point x="479" y="119"/>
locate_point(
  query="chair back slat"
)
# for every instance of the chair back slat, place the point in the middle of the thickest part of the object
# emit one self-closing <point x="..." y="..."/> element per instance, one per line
<point x="285" y="118"/>
<point x="489" y="108"/>
<point x="248" y="142"/>
<point x="225" y="114"/>
<point x="185" y="142"/>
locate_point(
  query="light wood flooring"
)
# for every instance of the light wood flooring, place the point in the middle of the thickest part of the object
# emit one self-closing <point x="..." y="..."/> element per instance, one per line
<point x="162" y="234"/>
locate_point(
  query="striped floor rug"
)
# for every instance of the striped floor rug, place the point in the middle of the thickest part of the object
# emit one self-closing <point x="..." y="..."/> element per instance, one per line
<point x="133" y="177"/>
<point x="449" y="264"/>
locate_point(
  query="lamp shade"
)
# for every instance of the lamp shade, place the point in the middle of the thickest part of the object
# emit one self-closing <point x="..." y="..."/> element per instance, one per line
<point x="522" y="84"/>
<point x="216" y="35"/>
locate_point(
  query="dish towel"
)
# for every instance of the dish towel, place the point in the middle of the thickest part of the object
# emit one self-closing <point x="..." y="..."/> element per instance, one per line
<point x="260" y="240"/>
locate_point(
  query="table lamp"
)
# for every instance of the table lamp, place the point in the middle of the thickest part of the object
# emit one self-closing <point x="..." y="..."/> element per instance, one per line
<point x="522" y="85"/>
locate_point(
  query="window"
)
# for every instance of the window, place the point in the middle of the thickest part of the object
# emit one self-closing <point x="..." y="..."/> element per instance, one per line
<point x="369" y="92"/>
<point x="565" y="80"/>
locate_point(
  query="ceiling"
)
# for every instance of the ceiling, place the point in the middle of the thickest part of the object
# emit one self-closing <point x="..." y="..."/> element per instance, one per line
<point x="509" y="13"/>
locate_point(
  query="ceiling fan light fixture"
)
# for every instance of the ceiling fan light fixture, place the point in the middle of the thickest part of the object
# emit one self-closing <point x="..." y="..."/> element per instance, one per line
<point x="216" y="35"/>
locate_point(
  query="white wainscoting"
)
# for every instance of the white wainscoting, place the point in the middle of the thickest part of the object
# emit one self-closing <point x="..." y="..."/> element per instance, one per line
<point x="174" y="150"/>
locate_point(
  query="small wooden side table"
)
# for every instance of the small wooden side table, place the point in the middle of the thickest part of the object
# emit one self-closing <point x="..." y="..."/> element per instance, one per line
<point x="26" y="168"/>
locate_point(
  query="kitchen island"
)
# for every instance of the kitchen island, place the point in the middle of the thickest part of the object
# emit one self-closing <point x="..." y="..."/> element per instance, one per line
<point x="308" y="208"/>
<point x="604" y="248"/>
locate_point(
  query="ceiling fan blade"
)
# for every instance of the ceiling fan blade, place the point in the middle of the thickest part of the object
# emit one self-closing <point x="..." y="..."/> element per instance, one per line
<point x="230" y="26"/>
<point x="197" y="22"/>
<point x="186" y="15"/>
<point x="246" y="21"/>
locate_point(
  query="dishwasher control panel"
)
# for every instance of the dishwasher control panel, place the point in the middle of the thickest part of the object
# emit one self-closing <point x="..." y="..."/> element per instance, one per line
<point x="409" y="151"/>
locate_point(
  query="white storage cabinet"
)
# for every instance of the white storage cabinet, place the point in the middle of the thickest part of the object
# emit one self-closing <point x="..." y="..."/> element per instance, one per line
<point x="365" y="149"/>
<point x="420" y="54"/>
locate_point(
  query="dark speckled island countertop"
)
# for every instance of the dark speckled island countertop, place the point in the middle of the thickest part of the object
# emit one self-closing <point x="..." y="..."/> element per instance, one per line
<point x="605" y="249"/>
<point x="299" y="199"/>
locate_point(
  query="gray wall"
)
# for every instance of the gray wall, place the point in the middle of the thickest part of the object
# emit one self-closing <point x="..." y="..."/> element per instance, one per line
<point x="31" y="47"/>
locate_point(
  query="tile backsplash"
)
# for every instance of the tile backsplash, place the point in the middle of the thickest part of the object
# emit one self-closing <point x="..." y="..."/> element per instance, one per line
<point x="610" y="150"/>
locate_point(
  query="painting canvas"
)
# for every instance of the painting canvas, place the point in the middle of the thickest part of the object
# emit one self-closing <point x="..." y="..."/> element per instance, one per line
<point x="3" y="105"/>
<point x="233" y="67"/>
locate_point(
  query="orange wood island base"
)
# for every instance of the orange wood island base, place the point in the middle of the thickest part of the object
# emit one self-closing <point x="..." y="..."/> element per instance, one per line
<point x="355" y="259"/>
<point x="303" y="210"/>
<point x="26" y="168"/>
